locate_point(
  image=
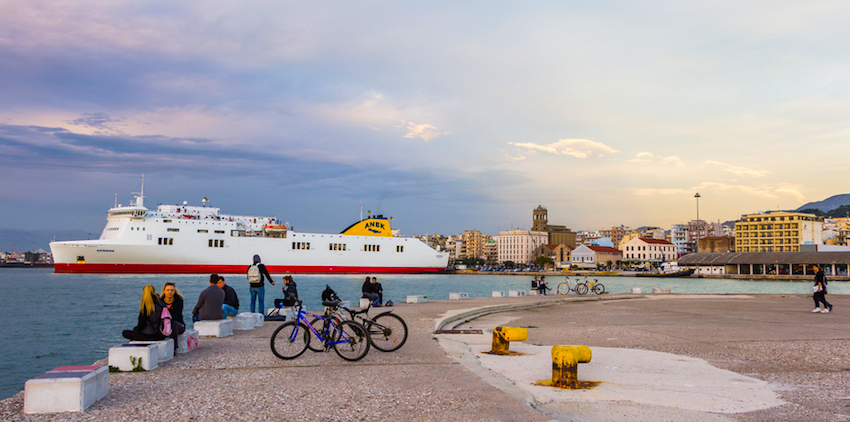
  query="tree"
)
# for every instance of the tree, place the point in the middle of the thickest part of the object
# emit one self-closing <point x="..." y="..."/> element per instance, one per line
<point x="544" y="261"/>
<point x="610" y="263"/>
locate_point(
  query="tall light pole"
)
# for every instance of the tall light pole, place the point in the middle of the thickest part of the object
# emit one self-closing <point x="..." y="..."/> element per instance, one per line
<point x="698" y="224"/>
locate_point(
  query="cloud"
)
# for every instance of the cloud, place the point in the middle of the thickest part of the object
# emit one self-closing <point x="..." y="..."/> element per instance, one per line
<point x="579" y="148"/>
<point x="509" y="158"/>
<point x="739" y="171"/>
<point x="425" y="131"/>
<point x="652" y="192"/>
<point x="648" y="157"/>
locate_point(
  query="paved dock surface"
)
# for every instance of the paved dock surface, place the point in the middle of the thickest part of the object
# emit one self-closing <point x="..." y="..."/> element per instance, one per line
<point x="773" y="338"/>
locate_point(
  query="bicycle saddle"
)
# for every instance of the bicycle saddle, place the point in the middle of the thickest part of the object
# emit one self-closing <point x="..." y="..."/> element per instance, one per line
<point x="330" y="303"/>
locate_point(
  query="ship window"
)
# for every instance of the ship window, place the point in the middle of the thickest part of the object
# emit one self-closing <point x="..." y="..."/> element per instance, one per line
<point x="166" y="221"/>
<point x="211" y="243"/>
<point x="174" y="230"/>
<point x="202" y="231"/>
<point x="160" y="241"/>
<point x="399" y="248"/>
<point x="220" y="231"/>
<point x="170" y="241"/>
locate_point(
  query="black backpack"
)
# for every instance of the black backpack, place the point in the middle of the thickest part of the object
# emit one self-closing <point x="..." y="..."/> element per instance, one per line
<point x="329" y="294"/>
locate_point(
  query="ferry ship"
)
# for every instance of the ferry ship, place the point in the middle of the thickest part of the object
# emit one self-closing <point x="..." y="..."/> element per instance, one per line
<point x="200" y="239"/>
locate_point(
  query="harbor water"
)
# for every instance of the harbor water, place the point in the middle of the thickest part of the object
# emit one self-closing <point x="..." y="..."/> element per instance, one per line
<point x="53" y="319"/>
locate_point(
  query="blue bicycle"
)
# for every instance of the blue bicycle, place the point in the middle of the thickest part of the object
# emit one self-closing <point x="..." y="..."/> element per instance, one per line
<point x="349" y="339"/>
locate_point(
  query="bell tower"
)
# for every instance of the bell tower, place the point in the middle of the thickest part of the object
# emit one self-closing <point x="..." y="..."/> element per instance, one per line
<point x="540" y="220"/>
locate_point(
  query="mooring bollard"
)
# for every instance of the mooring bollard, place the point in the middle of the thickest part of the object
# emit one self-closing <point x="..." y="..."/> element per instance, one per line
<point x="565" y="360"/>
<point x="503" y="336"/>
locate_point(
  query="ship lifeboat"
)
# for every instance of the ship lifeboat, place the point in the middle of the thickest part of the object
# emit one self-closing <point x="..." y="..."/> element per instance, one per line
<point x="275" y="228"/>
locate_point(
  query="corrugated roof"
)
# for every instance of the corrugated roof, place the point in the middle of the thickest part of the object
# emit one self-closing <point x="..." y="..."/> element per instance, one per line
<point x="733" y="258"/>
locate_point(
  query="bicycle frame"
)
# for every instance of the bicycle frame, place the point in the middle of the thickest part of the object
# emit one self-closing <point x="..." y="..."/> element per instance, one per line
<point x="301" y="316"/>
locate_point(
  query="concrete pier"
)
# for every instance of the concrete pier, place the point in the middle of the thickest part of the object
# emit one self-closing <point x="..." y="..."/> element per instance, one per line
<point x="773" y="339"/>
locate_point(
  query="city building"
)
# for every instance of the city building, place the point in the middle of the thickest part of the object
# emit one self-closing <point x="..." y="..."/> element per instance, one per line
<point x="648" y="252"/>
<point x="711" y="244"/>
<point x="472" y="244"/>
<point x="518" y="246"/>
<point x="589" y="256"/>
<point x="557" y="235"/>
<point x="491" y="251"/>
<point x="616" y="234"/>
<point x="679" y="237"/>
<point x="558" y="253"/>
<point x="777" y="231"/>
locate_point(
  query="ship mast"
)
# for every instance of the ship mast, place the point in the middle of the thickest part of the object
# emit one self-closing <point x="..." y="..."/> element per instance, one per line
<point x="140" y="196"/>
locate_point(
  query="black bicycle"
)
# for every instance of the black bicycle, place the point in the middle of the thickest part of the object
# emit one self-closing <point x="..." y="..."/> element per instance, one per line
<point x="387" y="331"/>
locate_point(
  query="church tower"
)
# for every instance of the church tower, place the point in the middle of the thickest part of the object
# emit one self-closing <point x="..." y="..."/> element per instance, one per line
<point x="540" y="222"/>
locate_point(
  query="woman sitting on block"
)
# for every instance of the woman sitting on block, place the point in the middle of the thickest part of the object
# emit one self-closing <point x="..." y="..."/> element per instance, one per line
<point x="149" y="327"/>
<point x="173" y="300"/>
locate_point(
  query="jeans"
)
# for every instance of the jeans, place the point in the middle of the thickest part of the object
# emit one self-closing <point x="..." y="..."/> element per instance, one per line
<point x="821" y="297"/>
<point x="229" y="310"/>
<point x="258" y="293"/>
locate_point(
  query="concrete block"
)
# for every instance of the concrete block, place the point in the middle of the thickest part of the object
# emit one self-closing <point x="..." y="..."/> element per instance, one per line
<point x="120" y="356"/>
<point x="533" y="292"/>
<point x="636" y="290"/>
<point x="187" y="341"/>
<point x="497" y="293"/>
<point x="345" y="304"/>
<point x="215" y="328"/>
<point x="101" y="372"/>
<point x="243" y="322"/>
<point x="165" y="348"/>
<point x="364" y="302"/>
<point x="458" y="296"/>
<point x="258" y="318"/>
<point x="416" y="299"/>
<point x="517" y="293"/>
<point x="66" y="391"/>
<point x="665" y="291"/>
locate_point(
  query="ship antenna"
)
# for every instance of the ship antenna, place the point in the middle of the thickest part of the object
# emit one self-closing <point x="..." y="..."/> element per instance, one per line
<point x="361" y="210"/>
<point x="116" y="201"/>
<point x="141" y="201"/>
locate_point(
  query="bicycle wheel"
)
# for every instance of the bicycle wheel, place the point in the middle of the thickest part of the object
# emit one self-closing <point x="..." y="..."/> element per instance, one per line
<point x="598" y="289"/>
<point x="563" y="289"/>
<point x="388" y="332"/>
<point x="290" y="340"/>
<point x="317" y="346"/>
<point x="355" y="340"/>
<point x="581" y="288"/>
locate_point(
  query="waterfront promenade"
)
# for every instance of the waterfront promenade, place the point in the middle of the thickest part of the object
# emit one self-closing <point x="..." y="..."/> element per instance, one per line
<point x="804" y="357"/>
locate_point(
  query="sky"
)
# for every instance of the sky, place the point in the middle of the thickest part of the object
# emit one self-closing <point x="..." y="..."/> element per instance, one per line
<point x="447" y="116"/>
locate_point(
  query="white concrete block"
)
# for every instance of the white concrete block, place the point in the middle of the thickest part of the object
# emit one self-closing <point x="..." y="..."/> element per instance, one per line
<point x="517" y="293"/>
<point x="215" y="328"/>
<point x="666" y="291"/>
<point x="364" y="302"/>
<point x="416" y="299"/>
<point x="497" y="293"/>
<point x="123" y="356"/>
<point x="53" y="392"/>
<point x="165" y="348"/>
<point x="258" y="318"/>
<point x="243" y="322"/>
<point x="533" y="292"/>
<point x="345" y="304"/>
<point x="458" y="296"/>
<point x="636" y="290"/>
<point x="187" y="341"/>
<point x="101" y="372"/>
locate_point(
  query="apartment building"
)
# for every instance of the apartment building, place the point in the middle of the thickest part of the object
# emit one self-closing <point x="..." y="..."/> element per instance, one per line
<point x="649" y="252"/>
<point x="589" y="256"/>
<point x="518" y="246"/>
<point x="472" y="245"/>
<point x="777" y="231"/>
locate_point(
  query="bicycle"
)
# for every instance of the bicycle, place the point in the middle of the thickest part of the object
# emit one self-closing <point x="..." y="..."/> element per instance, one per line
<point x="387" y="331"/>
<point x="349" y="339"/>
<point x="595" y="286"/>
<point x="568" y="286"/>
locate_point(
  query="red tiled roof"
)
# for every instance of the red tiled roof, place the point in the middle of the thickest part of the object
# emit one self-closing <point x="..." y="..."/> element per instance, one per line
<point x="605" y="249"/>
<point x="656" y="241"/>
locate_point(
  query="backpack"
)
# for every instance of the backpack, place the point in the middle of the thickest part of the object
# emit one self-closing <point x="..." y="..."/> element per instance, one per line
<point x="165" y="326"/>
<point x="329" y="294"/>
<point x="254" y="274"/>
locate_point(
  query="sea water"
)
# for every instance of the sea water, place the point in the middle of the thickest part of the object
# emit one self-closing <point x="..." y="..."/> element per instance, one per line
<point x="51" y="320"/>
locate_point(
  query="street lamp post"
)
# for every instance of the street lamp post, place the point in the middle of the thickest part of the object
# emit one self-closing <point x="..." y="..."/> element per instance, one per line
<point x="698" y="224"/>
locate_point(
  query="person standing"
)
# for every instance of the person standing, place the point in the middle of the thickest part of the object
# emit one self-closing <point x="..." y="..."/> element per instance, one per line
<point x="231" y="300"/>
<point x="209" y="302"/>
<point x="820" y="292"/>
<point x="257" y="273"/>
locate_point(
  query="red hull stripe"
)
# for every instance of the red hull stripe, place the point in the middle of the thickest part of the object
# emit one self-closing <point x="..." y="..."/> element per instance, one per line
<point x="230" y="269"/>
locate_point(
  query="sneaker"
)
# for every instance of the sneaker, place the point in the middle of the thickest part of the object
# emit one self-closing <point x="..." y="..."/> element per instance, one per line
<point x="825" y="311"/>
<point x="816" y="309"/>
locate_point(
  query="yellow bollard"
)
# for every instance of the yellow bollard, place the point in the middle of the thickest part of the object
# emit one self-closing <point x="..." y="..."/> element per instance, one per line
<point x="502" y="336"/>
<point x="565" y="360"/>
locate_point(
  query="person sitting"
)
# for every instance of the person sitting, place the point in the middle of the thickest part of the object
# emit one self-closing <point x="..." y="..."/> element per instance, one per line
<point x="149" y="327"/>
<point x="368" y="290"/>
<point x="534" y="284"/>
<point x="379" y="289"/>
<point x="290" y="293"/>
<point x="173" y="300"/>
<point x="209" y="302"/>
<point x="231" y="300"/>
<point x="542" y="288"/>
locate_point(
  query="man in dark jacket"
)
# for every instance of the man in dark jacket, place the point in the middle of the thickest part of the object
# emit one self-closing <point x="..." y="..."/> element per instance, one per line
<point x="231" y="300"/>
<point x="820" y="293"/>
<point x="257" y="272"/>
<point x="209" y="302"/>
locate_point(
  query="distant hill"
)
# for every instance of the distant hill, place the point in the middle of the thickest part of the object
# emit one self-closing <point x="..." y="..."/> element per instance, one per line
<point x="828" y="204"/>
<point x="12" y="240"/>
<point x="842" y="211"/>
